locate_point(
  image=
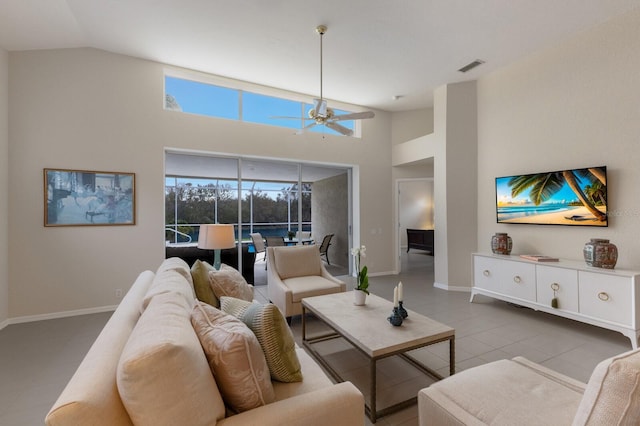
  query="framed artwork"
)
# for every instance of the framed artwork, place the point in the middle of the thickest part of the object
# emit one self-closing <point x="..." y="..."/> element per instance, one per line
<point x="88" y="198"/>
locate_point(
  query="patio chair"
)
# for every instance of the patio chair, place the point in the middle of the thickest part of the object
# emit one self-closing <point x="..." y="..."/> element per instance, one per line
<point x="324" y="247"/>
<point x="275" y="241"/>
<point x="258" y="244"/>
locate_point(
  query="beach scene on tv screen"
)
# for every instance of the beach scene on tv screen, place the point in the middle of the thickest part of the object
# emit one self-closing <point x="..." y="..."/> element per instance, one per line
<point x="568" y="197"/>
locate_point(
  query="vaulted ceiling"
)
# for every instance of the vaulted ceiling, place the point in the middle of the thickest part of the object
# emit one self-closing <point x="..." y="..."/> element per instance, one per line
<point x="382" y="54"/>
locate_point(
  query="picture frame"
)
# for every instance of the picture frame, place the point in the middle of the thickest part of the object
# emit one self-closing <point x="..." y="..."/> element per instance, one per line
<point x="88" y="198"/>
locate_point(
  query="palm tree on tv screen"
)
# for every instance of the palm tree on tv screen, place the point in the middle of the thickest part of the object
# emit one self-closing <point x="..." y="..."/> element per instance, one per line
<point x="544" y="185"/>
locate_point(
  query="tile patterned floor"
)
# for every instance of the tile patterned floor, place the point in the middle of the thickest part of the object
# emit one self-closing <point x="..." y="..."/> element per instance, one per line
<point x="37" y="359"/>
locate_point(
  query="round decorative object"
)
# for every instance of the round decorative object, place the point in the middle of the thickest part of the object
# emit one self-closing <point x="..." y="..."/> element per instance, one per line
<point x="501" y="243"/>
<point x="600" y="253"/>
<point x="360" y="297"/>
<point x="395" y="319"/>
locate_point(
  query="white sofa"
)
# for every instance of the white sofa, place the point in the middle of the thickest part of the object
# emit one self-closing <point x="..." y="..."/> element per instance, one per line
<point x="296" y="272"/>
<point x="521" y="392"/>
<point x="180" y="389"/>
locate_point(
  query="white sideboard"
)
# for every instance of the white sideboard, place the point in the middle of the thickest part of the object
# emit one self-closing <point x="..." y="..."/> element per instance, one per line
<point x="607" y="298"/>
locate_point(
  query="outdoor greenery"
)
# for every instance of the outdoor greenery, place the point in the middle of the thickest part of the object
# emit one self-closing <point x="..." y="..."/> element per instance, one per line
<point x="198" y="203"/>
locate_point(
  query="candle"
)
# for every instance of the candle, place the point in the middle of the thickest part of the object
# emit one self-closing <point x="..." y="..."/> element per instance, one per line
<point x="400" y="298"/>
<point x="395" y="297"/>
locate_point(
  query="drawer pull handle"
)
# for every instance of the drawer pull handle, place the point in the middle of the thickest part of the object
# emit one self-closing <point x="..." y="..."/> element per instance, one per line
<point x="517" y="279"/>
<point x="486" y="273"/>
<point x="603" y="296"/>
<point x="555" y="286"/>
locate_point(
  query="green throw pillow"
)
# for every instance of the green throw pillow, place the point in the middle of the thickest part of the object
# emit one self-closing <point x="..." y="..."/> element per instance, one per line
<point x="200" y="274"/>
<point x="273" y="333"/>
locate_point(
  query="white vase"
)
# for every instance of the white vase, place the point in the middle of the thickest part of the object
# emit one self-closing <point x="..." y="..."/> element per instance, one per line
<point x="359" y="297"/>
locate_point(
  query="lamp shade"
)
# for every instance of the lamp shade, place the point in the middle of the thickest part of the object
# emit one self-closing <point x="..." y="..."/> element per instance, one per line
<point x="216" y="237"/>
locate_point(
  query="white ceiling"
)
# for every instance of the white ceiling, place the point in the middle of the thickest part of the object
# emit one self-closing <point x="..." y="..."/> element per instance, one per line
<point x="373" y="50"/>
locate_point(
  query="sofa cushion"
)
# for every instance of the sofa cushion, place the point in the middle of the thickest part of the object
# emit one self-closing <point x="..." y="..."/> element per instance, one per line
<point x="235" y="358"/>
<point x="297" y="261"/>
<point x="314" y="378"/>
<point x="612" y="396"/>
<point x="229" y="282"/>
<point x="311" y="285"/>
<point x="273" y="333"/>
<point x="169" y="281"/>
<point x="163" y="376"/>
<point x="200" y="274"/>
<point x="178" y="265"/>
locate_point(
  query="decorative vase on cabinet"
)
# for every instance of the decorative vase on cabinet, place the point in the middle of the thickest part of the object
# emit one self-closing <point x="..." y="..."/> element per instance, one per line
<point x="600" y="253"/>
<point x="501" y="243"/>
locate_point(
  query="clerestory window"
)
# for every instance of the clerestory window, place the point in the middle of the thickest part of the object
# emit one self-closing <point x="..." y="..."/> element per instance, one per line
<point x="201" y="98"/>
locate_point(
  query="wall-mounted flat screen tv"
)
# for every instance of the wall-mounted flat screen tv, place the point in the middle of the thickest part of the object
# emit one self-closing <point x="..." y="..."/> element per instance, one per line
<point x="565" y="197"/>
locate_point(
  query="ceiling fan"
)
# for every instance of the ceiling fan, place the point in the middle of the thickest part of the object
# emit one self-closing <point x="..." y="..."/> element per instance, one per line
<point x="321" y="114"/>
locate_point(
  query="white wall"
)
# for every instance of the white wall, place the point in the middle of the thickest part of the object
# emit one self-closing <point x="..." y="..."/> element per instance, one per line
<point x="574" y="105"/>
<point x="93" y="110"/>
<point x="4" y="187"/>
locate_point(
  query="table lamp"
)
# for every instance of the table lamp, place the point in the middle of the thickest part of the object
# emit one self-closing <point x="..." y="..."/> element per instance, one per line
<point x="216" y="237"/>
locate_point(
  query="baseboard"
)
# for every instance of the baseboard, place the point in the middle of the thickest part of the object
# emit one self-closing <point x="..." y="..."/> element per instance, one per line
<point x="55" y="315"/>
<point x="452" y="287"/>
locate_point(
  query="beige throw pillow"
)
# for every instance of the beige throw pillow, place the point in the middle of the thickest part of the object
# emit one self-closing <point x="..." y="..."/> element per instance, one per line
<point x="200" y="273"/>
<point x="273" y="333"/>
<point x="229" y="282"/>
<point x="235" y="358"/>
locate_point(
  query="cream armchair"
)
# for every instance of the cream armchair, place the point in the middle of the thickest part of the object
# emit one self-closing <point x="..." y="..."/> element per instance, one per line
<point x="297" y="272"/>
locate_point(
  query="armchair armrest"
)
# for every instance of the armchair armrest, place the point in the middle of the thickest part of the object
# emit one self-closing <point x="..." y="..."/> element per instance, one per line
<point x="278" y="293"/>
<point x="337" y="405"/>
<point x="327" y="275"/>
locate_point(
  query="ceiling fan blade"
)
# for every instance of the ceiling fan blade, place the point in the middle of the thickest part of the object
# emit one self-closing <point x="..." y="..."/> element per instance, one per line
<point x="289" y="118"/>
<point x="354" y="116"/>
<point x="339" y="128"/>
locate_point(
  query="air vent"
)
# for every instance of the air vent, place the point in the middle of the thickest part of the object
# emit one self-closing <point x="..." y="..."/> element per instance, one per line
<point x="471" y="65"/>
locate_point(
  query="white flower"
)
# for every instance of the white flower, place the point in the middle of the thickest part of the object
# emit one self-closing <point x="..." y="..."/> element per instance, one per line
<point x="363" y="251"/>
<point x="355" y="251"/>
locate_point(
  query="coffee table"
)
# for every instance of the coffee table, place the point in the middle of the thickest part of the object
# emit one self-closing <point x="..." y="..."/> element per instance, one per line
<point x="367" y="329"/>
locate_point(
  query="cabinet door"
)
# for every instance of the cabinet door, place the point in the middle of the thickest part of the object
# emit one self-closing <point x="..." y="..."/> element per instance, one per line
<point x="486" y="273"/>
<point x="607" y="297"/>
<point x="565" y="281"/>
<point x="519" y="280"/>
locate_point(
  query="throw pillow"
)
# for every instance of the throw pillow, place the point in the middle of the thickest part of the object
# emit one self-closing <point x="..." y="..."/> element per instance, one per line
<point x="200" y="273"/>
<point x="229" y="282"/>
<point x="612" y="395"/>
<point x="273" y="333"/>
<point x="235" y="357"/>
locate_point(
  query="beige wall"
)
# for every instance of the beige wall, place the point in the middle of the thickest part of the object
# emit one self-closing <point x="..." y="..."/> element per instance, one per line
<point x="574" y="105"/>
<point x="408" y="125"/>
<point x="4" y="187"/>
<point x="93" y="110"/>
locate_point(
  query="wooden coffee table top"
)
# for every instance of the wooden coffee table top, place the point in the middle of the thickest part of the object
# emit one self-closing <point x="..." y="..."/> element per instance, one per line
<point x="367" y="326"/>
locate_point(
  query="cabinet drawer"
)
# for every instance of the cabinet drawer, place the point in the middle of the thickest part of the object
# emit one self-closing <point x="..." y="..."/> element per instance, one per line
<point x="485" y="273"/>
<point x="516" y="279"/>
<point x="519" y="280"/>
<point x="566" y="283"/>
<point x="606" y="297"/>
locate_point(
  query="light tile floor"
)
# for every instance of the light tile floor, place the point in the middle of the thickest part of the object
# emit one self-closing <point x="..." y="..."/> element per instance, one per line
<point x="37" y="359"/>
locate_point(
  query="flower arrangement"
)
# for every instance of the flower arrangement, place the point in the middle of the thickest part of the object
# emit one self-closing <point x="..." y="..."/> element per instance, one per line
<point x="362" y="278"/>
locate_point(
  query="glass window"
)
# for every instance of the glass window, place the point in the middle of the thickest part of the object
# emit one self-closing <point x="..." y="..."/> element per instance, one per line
<point x="216" y="101"/>
<point x="201" y="98"/>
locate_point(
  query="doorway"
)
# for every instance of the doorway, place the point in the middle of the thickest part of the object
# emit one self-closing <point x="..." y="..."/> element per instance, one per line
<point x="415" y="210"/>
